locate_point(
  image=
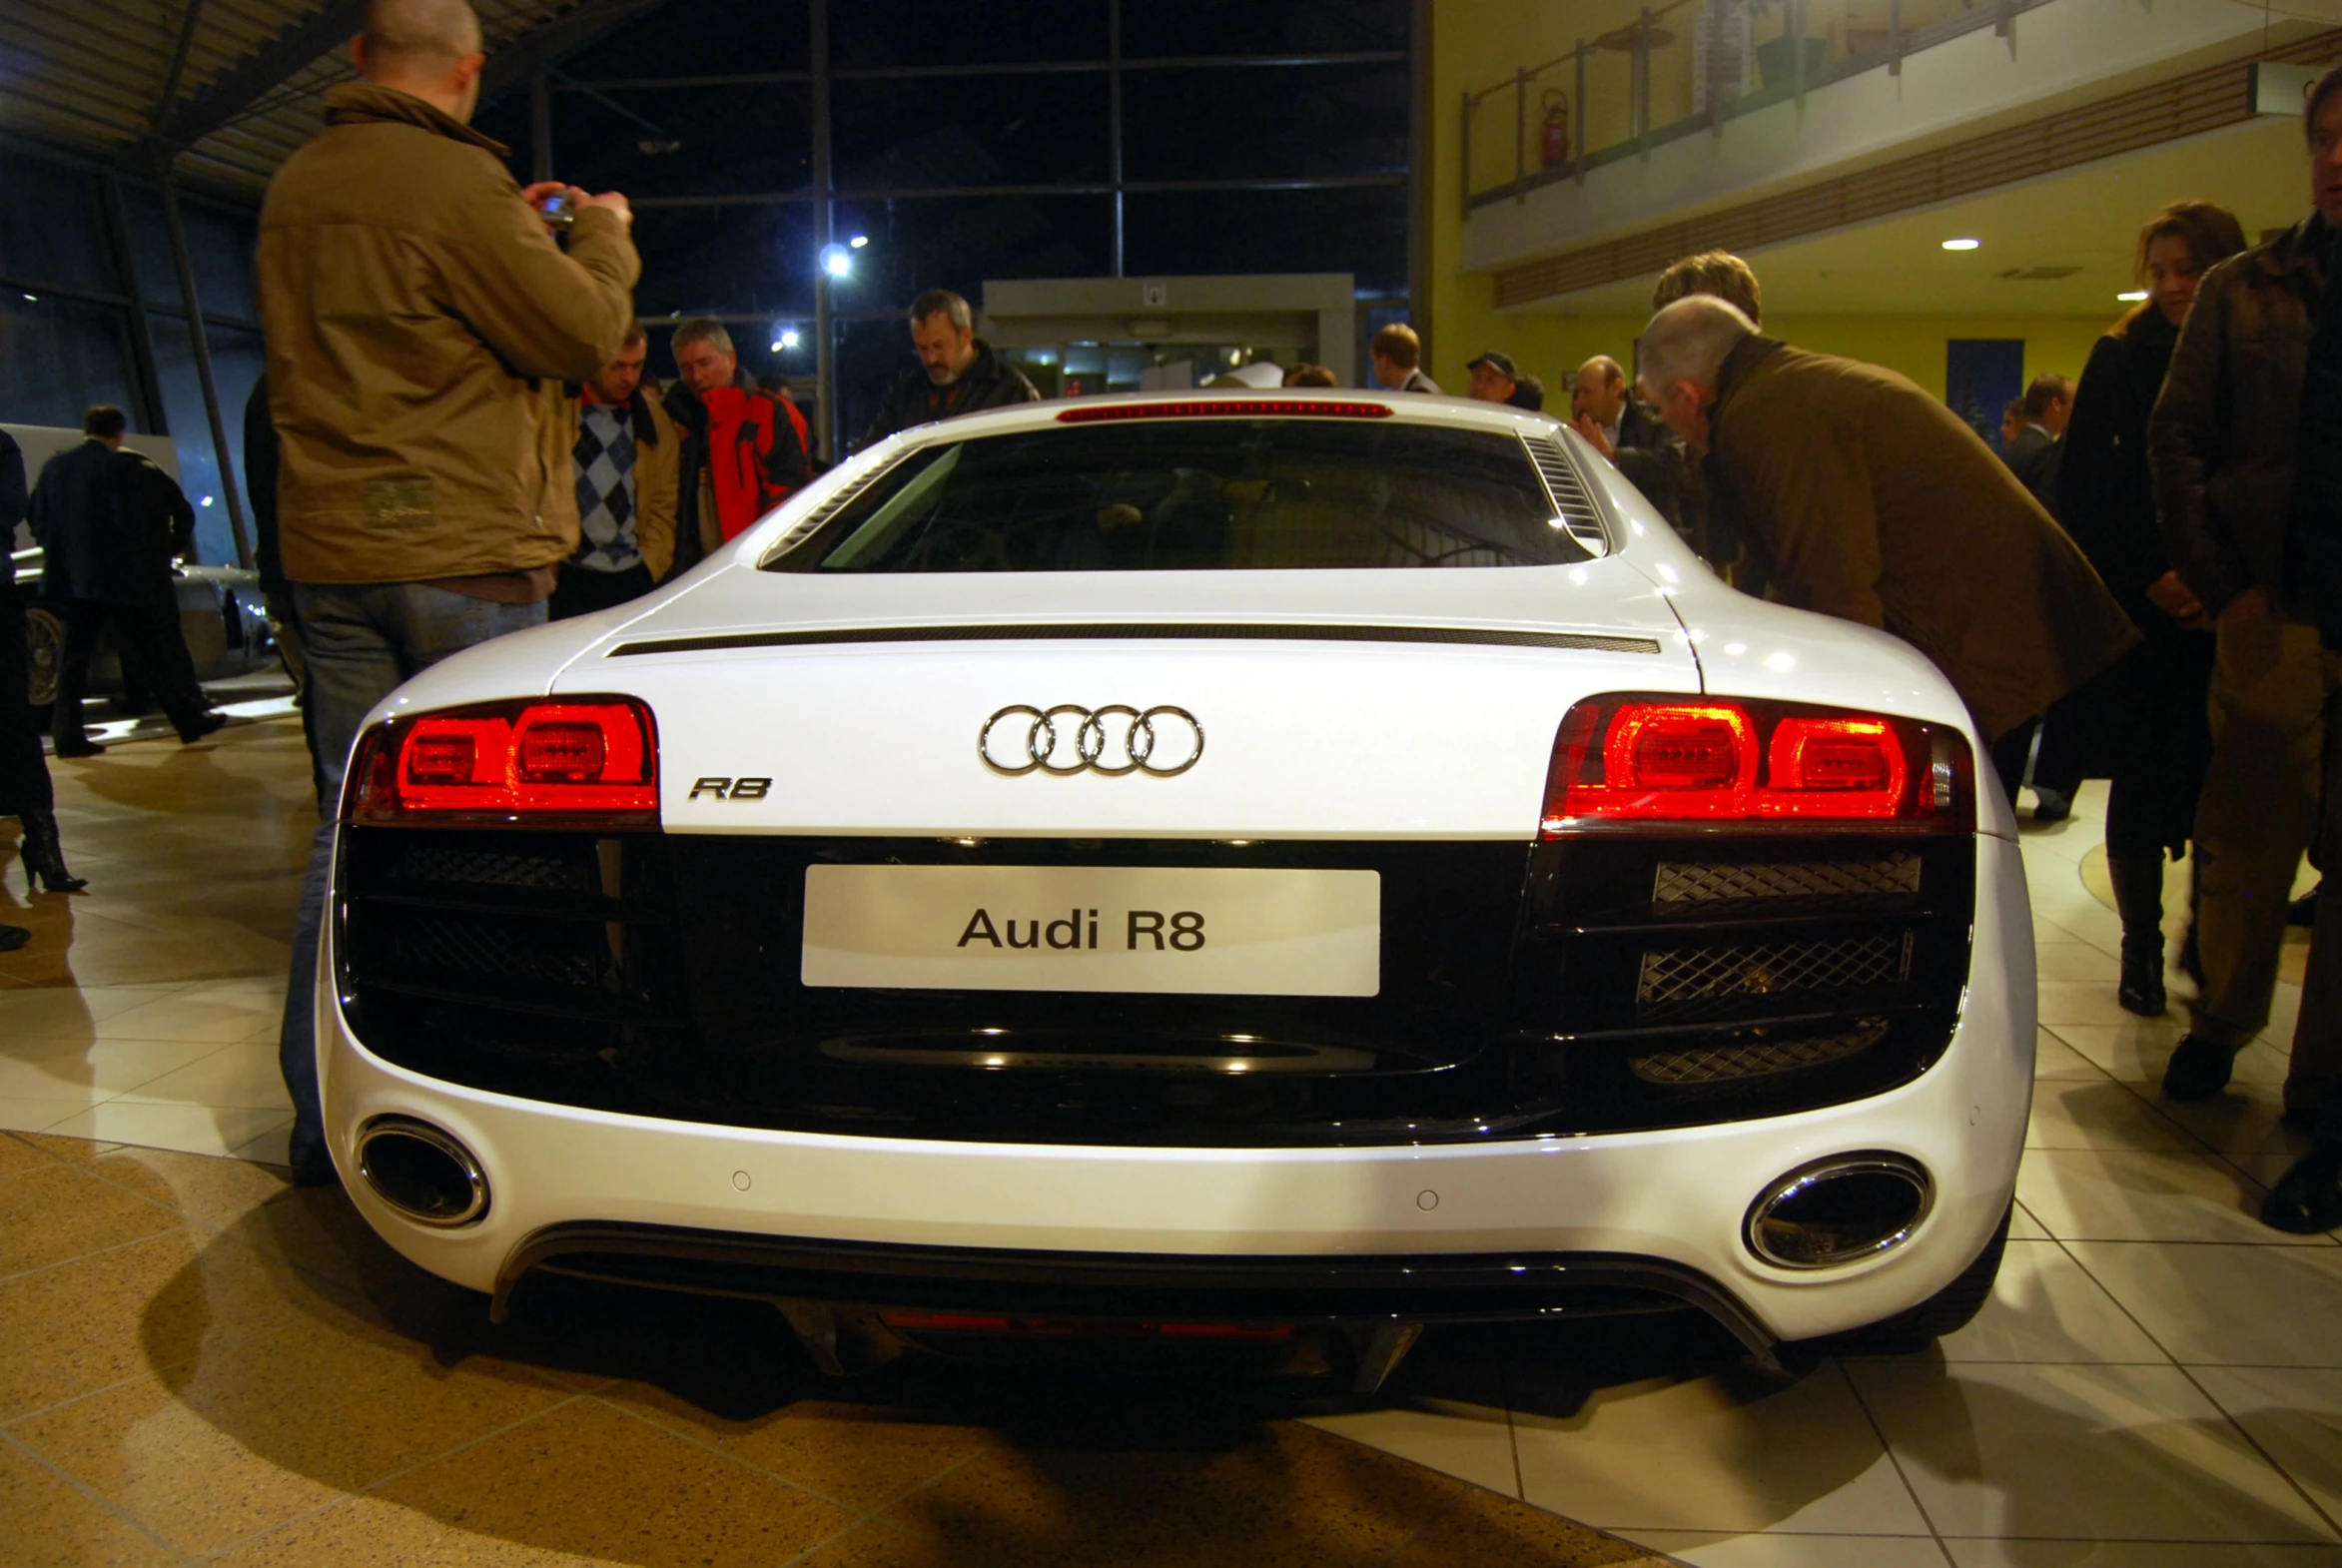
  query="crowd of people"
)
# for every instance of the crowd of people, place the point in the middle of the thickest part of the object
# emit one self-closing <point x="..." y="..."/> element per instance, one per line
<point x="2146" y="581"/>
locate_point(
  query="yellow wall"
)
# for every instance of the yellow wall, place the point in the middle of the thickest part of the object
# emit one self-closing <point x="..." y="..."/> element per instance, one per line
<point x="1475" y="43"/>
<point x="1552" y="345"/>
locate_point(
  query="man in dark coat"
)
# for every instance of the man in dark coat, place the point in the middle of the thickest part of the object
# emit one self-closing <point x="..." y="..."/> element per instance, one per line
<point x="2248" y="470"/>
<point x="956" y="374"/>
<point x="2033" y="454"/>
<point x="1872" y="502"/>
<point x="2226" y="445"/>
<point x="110" y="520"/>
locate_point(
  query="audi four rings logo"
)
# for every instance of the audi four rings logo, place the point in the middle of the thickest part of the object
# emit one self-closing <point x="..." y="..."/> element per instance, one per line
<point x="1113" y="740"/>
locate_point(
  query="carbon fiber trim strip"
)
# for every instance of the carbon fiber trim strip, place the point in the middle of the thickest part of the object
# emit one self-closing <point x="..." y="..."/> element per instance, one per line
<point x="1133" y="631"/>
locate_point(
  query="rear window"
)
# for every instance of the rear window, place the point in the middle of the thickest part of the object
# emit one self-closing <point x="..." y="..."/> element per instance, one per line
<point x="1198" y="495"/>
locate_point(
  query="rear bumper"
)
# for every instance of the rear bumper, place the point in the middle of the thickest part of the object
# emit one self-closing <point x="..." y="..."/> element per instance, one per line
<point x="1669" y="1203"/>
<point x="1356" y="1297"/>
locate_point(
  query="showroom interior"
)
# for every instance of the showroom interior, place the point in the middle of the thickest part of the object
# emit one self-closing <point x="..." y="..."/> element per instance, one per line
<point x="225" y="1345"/>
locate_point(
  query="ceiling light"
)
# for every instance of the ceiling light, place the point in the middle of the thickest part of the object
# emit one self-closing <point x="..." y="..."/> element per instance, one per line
<point x="2131" y="295"/>
<point x="1961" y="245"/>
<point x="788" y="338"/>
<point x="837" y="261"/>
<point x="34" y="298"/>
<point x="859" y="241"/>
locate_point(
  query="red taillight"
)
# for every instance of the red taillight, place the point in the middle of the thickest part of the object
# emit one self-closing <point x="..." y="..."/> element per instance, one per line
<point x="1835" y="768"/>
<point x="511" y="763"/>
<point x="1657" y="759"/>
<point x="1225" y="409"/>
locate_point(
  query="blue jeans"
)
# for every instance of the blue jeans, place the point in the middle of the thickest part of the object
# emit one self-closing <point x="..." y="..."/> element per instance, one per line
<point x="364" y="642"/>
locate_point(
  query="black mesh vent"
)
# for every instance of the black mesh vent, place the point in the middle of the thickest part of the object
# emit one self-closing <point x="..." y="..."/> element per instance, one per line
<point x="1695" y="882"/>
<point x="1689" y="978"/>
<point x="543" y="952"/>
<point x="441" y="863"/>
<point x="1754" y="1056"/>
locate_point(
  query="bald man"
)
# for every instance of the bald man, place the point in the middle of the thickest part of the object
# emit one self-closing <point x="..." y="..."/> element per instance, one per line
<point x="419" y="322"/>
<point x="1871" y="500"/>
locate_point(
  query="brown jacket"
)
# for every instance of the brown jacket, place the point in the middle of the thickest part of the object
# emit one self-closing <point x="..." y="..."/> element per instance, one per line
<point x="2225" y="437"/>
<point x="419" y="326"/>
<point x="1867" y="500"/>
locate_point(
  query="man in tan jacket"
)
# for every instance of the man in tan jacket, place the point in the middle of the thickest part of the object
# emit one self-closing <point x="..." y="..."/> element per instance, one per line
<point x="420" y="325"/>
<point x="628" y="462"/>
<point x="1871" y="500"/>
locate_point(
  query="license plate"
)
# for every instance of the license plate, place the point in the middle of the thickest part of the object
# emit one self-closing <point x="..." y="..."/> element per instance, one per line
<point x="1226" y="931"/>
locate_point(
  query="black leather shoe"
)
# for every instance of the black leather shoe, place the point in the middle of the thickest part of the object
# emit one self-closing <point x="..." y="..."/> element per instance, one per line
<point x="2198" y="1068"/>
<point x="2308" y="1197"/>
<point x="13" y="937"/>
<point x="206" y="725"/>
<point x="315" y="1168"/>
<point x="87" y="748"/>
<point x="2051" y="805"/>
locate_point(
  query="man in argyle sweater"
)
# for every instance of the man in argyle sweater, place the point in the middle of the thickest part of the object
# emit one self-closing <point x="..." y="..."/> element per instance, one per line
<point x="628" y="461"/>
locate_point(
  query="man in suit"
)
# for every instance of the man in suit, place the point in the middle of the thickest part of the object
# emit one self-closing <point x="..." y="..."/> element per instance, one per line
<point x="110" y="520"/>
<point x="1603" y="409"/>
<point x="2031" y="451"/>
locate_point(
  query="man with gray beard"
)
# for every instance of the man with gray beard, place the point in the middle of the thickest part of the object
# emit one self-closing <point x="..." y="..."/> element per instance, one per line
<point x="957" y="371"/>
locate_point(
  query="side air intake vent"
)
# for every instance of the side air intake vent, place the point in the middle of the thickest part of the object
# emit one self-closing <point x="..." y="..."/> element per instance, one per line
<point x="813" y="520"/>
<point x="1571" y="501"/>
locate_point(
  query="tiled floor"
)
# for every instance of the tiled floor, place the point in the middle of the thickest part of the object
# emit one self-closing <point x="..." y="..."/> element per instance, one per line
<point x="201" y="1363"/>
<point x="2158" y="1382"/>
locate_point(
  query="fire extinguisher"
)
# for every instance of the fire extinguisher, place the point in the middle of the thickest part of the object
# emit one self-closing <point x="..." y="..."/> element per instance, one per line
<point x="1555" y="144"/>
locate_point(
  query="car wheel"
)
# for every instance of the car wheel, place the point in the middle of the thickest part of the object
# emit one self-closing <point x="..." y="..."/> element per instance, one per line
<point x="1946" y="1312"/>
<point x="44" y="648"/>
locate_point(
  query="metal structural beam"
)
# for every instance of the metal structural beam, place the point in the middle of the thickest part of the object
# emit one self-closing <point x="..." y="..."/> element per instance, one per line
<point x="213" y="414"/>
<point x="543" y="48"/>
<point x="824" y="349"/>
<point x="170" y="93"/>
<point x="263" y="70"/>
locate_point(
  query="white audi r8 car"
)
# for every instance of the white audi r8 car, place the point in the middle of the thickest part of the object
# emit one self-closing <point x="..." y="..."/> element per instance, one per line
<point x="1276" y="871"/>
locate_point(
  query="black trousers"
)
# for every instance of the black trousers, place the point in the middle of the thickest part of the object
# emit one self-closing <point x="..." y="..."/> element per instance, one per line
<point x="24" y="772"/>
<point x="2010" y="753"/>
<point x="581" y="590"/>
<point x="153" y="655"/>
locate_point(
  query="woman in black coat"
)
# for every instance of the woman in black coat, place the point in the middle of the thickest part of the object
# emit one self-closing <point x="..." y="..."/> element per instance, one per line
<point x="24" y="774"/>
<point x="2151" y="707"/>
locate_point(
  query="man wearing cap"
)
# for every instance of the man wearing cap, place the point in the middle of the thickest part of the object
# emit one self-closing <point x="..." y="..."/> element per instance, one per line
<point x="1496" y="379"/>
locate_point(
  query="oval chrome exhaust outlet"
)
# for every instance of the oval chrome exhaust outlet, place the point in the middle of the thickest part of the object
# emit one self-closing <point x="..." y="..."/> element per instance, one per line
<point x="423" y="1172"/>
<point x="1840" y="1211"/>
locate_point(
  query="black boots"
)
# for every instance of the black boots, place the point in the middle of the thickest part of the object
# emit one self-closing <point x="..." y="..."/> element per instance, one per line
<point x="2308" y="1197"/>
<point x="44" y="856"/>
<point x="2198" y="1068"/>
<point x="2138" y="899"/>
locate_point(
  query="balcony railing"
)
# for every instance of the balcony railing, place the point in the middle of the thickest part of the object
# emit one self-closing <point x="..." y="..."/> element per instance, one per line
<point x="1685" y="67"/>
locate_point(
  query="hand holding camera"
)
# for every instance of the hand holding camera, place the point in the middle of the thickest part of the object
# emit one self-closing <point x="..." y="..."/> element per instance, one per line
<point x="558" y="204"/>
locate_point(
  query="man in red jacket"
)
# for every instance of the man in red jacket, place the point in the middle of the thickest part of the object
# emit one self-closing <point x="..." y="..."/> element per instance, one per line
<point x="744" y="450"/>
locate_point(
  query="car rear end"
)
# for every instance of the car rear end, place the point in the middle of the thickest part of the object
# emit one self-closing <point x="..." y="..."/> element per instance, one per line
<point x="1274" y="955"/>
